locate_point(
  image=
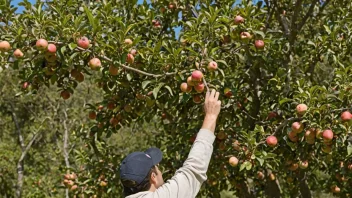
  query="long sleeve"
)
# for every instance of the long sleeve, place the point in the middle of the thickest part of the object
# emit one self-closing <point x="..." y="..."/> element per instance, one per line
<point x="188" y="179"/>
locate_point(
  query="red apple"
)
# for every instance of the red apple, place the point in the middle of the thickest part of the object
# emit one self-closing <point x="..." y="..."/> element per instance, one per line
<point x="260" y="175"/>
<point x="199" y="87"/>
<point x="25" y="85"/>
<point x="79" y="77"/>
<point x="133" y="52"/>
<point x="293" y="167"/>
<point x="271" y="141"/>
<point x="328" y="135"/>
<point x="130" y="58"/>
<point x="18" y="53"/>
<point x="301" y="109"/>
<point x="189" y="81"/>
<point x="297" y="127"/>
<point x="212" y="66"/>
<point x="83" y="42"/>
<point x="172" y="6"/>
<point x="228" y="92"/>
<point x="113" y="70"/>
<point x="197" y="99"/>
<point x="272" y="176"/>
<point x="293" y="136"/>
<point x="197" y="76"/>
<point x="127" y="108"/>
<point x="41" y="44"/>
<point x="74" y="73"/>
<point x="113" y="121"/>
<point x="128" y="42"/>
<point x="303" y="164"/>
<point x="245" y="35"/>
<point x="233" y="161"/>
<point x="5" y="46"/>
<point x="221" y="135"/>
<point x="74" y="187"/>
<point x="65" y="94"/>
<point x="239" y="19"/>
<point x="94" y="63"/>
<point x="185" y="88"/>
<point x="92" y="115"/>
<point x="51" y="48"/>
<point x="346" y="116"/>
<point x="259" y="44"/>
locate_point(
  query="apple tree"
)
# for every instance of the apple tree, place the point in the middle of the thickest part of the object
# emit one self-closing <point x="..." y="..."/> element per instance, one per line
<point x="283" y="69"/>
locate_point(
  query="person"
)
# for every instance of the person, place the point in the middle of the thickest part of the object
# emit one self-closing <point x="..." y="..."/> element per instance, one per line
<point x="141" y="177"/>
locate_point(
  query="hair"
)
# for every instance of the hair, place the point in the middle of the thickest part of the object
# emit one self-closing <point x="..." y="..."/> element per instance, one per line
<point x="130" y="187"/>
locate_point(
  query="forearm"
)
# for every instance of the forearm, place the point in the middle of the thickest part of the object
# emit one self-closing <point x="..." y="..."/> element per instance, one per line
<point x="209" y="123"/>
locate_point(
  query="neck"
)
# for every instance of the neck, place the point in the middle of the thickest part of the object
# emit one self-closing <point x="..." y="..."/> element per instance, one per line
<point x="152" y="188"/>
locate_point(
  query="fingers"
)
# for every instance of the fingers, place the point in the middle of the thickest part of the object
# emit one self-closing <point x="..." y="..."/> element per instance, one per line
<point x="207" y="95"/>
<point x="217" y="96"/>
<point x="212" y="95"/>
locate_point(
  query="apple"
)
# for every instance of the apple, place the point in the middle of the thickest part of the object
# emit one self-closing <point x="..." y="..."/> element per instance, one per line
<point x="303" y="164"/>
<point x="113" y="121"/>
<point x="67" y="177"/>
<point x="50" y="57"/>
<point x="271" y="115"/>
<point x="259" y="44"/>
<point x="111" y="105"/>
<point x="100" y="107"/>
<point x="228" y="92"/>
<point x="83" y="42"/>
<point x="233" y="161"/>
<point x="328" y="135"/>
<point x="133" y="52"/>
<point x="197" y="76"/>
<point x="162" y="9"/>
<point x="92" y="115"/>
<point x="212" y="66"/>
<point x="51" y="48"/>
<point x="190" y="81"/>
<point x="350" y="167"/>
<point x="5" y="46"/>
<point x="260" y="175"/>
<point x="197" y="99"/>
<point x="346" y="116"/>
<point x="272" y="176"/>
<point x="172" y="6"/>
<point x="293" y="167"/>
<point x="221" y="135"/>
<point x="130" y="58"/>
<point x="113" y="70"/>
<point x="18" y="53"/>
<point x="239" y="19"/>
<point x="301" y="109"/>
<point x="326" y="149"/>
<point x="335" y="189"/>
<point x="245" y="35"/>
<point x="289" y="179"/>
<point x="25" y="85"/>
<point x="41" y="44"/>
<point x="184" y="87"/>
<point x="103" y="183"/>
<point x="94" y="63"/>
<point x="69" y="183"/>
<point x="128" y="42"/>
<point x="236" y="145"/>
<point x="293" y="136"/>
<point x="199" y="87"/>
<point x="297" y="127"/>
<point x="79" y="77"/>
<point x="65" y="94"/>
<point x="74" y="73"/>
<point x="74" y="187"/>
<point x="127" y="108"/>
<point x="271" y="141"/>
<point x="310" y="134"/>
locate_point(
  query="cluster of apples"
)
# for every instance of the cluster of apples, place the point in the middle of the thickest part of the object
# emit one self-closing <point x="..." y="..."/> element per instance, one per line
<point x="259" y="44"/>
<point x="69" y="181"/>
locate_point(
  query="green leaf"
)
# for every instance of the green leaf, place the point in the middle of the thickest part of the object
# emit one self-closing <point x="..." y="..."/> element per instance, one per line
<point x="242" y="167"/>
<point x="157" y="89"/>
<point x="327" y="29"/>
<point x="285" y="100"/>
<point x="90" y="18"/>
<point x="170" y="90"/>
<point x="349" y="149"/>
<point x="145" y="83"/>
<point x="260" y="160"/>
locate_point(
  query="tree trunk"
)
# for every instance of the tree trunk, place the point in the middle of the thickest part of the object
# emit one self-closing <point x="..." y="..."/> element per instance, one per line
<point x="66" y="147"/>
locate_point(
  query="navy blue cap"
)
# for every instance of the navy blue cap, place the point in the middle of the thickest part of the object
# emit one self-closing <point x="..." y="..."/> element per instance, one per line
<point x="136" y="166"/>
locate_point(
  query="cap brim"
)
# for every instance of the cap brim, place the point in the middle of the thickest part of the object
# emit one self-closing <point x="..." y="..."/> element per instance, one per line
<point x="155" y="154"/>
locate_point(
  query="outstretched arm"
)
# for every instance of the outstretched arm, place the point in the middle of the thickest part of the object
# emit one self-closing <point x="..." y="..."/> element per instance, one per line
<point x="189" y="178"/>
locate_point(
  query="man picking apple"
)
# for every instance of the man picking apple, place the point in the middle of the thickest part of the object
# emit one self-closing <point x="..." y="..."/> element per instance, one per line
<point x="141" y="177"/>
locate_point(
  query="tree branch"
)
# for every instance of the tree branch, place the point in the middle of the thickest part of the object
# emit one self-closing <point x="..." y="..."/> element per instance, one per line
<point x="284" y="123"/>
<point x="281" y="20"/>
<point x="17" y="126"/>
<point x="308" y="14"/>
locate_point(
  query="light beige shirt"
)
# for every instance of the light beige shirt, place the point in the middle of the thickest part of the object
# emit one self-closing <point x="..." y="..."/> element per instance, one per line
<point x="189" y="178"/>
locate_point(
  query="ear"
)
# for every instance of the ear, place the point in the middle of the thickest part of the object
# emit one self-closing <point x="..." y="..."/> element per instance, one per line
<point x="153" y="178"/>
